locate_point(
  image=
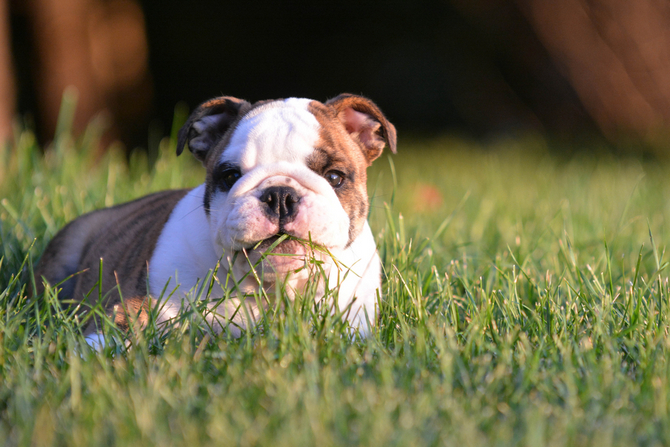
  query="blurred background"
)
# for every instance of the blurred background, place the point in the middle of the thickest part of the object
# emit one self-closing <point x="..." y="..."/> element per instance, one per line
<point x="480" y="68"/>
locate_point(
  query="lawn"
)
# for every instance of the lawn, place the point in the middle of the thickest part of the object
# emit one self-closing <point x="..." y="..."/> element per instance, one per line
<point x="525" y="303"/>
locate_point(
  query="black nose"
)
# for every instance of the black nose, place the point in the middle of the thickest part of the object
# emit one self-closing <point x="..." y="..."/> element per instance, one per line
<point x="281" y="203"/>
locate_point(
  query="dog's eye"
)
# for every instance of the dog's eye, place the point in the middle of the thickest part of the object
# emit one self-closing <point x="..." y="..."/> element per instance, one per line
<point x="227" y="178"/>
<point x="335" y="178"/>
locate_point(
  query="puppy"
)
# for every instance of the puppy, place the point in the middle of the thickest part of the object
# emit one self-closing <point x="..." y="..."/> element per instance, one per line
<point x="294" y="167"/>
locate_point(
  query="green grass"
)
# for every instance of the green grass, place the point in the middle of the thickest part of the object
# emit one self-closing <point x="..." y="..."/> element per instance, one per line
<point x="525" y="303"/>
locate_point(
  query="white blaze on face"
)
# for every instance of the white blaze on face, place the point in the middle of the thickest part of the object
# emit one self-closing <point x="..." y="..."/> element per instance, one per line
<point x="274" y="132"/>
<point x="271" y="146"/>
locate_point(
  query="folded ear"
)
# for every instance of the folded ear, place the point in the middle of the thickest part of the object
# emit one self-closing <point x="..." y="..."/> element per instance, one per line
<point x="365" y="123"/>
<point x="207" y="124"/>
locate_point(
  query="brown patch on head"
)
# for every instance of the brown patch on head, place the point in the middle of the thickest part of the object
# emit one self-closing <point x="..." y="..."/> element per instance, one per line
<point x="365" y="123"/>
<point x="336" y="150"/>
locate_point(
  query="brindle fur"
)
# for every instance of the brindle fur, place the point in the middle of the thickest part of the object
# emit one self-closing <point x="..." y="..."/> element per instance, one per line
<point x="123" y="236"/>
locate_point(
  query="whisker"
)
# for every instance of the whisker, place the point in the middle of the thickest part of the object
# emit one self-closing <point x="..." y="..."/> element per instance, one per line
<point x="193" y="210"/>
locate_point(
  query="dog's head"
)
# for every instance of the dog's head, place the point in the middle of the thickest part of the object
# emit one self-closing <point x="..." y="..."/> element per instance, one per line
<point x="293" y="166"/>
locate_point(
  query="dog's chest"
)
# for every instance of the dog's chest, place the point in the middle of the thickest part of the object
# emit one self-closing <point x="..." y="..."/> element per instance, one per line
<point x="184" y="253"/>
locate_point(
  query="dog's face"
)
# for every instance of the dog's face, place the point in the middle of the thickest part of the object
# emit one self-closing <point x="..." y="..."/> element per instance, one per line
<point x="294" y="167"/>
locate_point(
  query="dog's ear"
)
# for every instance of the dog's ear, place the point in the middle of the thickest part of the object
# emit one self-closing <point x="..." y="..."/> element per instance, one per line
<point x="208" y="122"/>
<point x="365" y="123"/>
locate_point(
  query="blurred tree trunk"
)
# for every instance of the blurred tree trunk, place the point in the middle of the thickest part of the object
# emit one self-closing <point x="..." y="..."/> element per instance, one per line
<point x="64" y="55"/>
<point x="100" y="48"/>
<point x="616" y="54"/>
<point x="7" y="87"/>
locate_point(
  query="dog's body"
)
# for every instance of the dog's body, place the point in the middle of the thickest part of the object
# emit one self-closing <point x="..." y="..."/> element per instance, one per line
<point x="295" y="167"/>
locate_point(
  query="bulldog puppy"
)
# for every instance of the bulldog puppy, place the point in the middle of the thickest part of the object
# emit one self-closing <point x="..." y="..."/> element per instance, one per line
<point x="293" y="167"/>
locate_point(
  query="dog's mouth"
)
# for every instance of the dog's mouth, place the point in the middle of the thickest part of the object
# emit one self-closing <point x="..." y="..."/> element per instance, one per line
<point x="281" y="252"/>
<point x="284" y="253"/>
<point x="280" y="244"/>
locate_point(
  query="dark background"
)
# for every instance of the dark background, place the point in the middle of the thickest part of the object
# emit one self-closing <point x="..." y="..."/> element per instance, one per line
<point x="480" y="68"/>
<point x="424" y="62"/>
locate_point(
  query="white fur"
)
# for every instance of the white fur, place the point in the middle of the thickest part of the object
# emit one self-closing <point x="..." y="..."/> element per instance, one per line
<point x="277" y="131"/>
<point x="362" y="282"/>
<point x="271" y="145"/>
<point x="184" y="251"/>
<point x="96" y="341"/>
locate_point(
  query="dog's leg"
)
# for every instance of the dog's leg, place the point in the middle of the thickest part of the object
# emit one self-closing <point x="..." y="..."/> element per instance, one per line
<point x="126" y="313"/>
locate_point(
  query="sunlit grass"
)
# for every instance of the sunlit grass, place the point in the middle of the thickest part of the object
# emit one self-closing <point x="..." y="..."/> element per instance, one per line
<point x="525" y="303"/>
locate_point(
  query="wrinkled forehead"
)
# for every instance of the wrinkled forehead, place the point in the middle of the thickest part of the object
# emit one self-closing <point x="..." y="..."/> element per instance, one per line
<point x="283" y="130"/>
